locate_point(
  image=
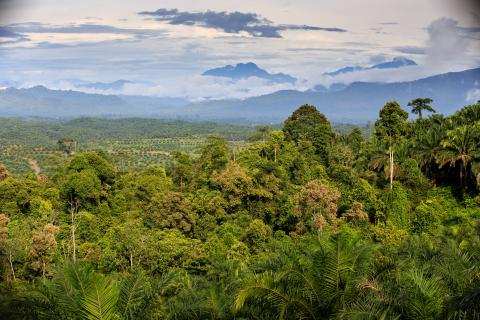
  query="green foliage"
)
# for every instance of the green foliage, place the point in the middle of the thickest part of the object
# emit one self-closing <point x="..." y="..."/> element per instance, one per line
<point x="296" y="223"/>
<point x="308" y="124"/>
<point x="397" y="206"/>
<point x="391" y="124"/>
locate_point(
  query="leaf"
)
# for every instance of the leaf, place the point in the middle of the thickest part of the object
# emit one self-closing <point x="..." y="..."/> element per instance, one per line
<point x="100" y="301"/>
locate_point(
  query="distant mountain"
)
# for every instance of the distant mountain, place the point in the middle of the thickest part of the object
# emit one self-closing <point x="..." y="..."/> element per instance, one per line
<point x="397" y="62"/>
<point x="358" y="102"/>
<point x="40" y="101"/>
<point x="246" y="70"/>
<point x="116" y="85"/>
<point x="332" y="88"/>
<point x="7" y="84"/>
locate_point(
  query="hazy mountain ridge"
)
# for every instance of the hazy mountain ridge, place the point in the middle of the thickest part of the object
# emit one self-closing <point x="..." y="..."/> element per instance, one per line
<point x="397" y="62"/>
<point x="358" y="102"/>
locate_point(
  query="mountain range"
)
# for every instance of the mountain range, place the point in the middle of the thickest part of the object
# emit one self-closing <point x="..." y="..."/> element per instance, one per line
<point x="247" y="70"/>
<point x="115" y="85"/>
<point x="397" y="62"/>
<point x="358" y="102"/>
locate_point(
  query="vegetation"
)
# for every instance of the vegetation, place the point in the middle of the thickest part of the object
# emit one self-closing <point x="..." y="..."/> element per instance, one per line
<point x="294" y="223"/>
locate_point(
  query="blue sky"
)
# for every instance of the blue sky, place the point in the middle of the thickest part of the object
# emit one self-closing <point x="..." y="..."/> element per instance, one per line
<point x="164" y="46"/>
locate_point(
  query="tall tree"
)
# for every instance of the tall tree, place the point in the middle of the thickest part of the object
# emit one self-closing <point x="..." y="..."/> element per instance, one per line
<point x="43" y="244"/>
<point x="214" y="155"/>
<point x="421" y="104"/>
<point x="390" y="127"/>
<point x="182" y="172"/>
<point x="308" y="124"/>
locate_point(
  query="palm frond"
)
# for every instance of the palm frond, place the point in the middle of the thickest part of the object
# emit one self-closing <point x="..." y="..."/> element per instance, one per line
<point x="134" y="293"/>
<point x="100" y="300"/>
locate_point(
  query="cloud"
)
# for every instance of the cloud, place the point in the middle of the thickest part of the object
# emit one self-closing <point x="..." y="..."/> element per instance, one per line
<point x="411" y="50"/>
<point x="197" y="88"/>
<point x="332" y="49"/>
<point x="446" y="42"/>
<point x="230" y="22"/>
<point x="377" y="58"/>
<point x="11" y="36"/>
<point x="37" y="27"/>
<point x="473" y="95"/>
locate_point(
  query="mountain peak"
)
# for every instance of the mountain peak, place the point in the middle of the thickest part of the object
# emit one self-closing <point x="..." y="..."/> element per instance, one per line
<point x="395" y="63"/>
<point x="246" y="70"/>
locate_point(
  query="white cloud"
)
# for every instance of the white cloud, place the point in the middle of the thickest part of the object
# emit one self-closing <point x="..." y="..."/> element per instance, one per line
<point x="203" y="87"/>
<point x="473" y="95"/>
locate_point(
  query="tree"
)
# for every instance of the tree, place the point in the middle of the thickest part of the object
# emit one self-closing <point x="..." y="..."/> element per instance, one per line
<point x="172" y="210"/>
<point x="6" y="245"/>
<point x="318" y="289"/>
<point x="3" y="172"/>
<point x="461" y="148"/>
<point x="355" y="139"/>
<point x="68" y="146"/>
<point x="390" y="127"/>
<point x="182" y="169"/>
<point x="261" y="133"/>
<point x="308" y="124"/>
<point x="43" y="243"/>
<point x="421" y="104"/>
<point x="316" y="204"/>
<point x="214" y="155"/>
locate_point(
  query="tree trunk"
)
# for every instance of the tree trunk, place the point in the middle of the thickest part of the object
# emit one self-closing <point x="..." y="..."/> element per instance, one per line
<point x="74" y="255"/>
<point x="11" y="265"/>
<point x="391" y="167"/>
<point x="131" y="261"/>
<point x="275" y="153"/>
<point x="73" y="209"/>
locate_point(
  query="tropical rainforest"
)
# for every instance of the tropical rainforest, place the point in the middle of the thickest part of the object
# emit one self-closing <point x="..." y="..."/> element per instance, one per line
<point x="301" y="222"/>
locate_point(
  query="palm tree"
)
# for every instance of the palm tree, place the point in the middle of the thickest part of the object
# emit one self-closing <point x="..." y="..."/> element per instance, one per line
<point x="77" y="292"/>
<point x="425" y="144"/>
<point x="421" y="104"/>
<point x="468" y="114"/>
<point x="317" y="290"/>
<point x="461" y="148"/>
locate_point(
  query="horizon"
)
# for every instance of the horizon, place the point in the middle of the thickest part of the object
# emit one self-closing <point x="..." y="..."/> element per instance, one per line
<point x="162" y="50"/>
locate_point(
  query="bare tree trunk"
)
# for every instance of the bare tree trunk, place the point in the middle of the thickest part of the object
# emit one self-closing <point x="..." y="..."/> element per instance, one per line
<point x="131" y="261"/>
<point x="275" y="153"/>
<point x="73" y="209"/>
<point x="391" y="167"/>
<point x="74" y="256"/>
<point x="43" y="270"/>
<point x="11" y="265"/>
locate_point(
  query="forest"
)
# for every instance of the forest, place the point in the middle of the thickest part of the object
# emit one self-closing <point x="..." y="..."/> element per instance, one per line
<point x="299" y="222"/>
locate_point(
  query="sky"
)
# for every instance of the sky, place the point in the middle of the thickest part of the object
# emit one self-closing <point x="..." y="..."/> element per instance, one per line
<point x="163" y="47"/>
